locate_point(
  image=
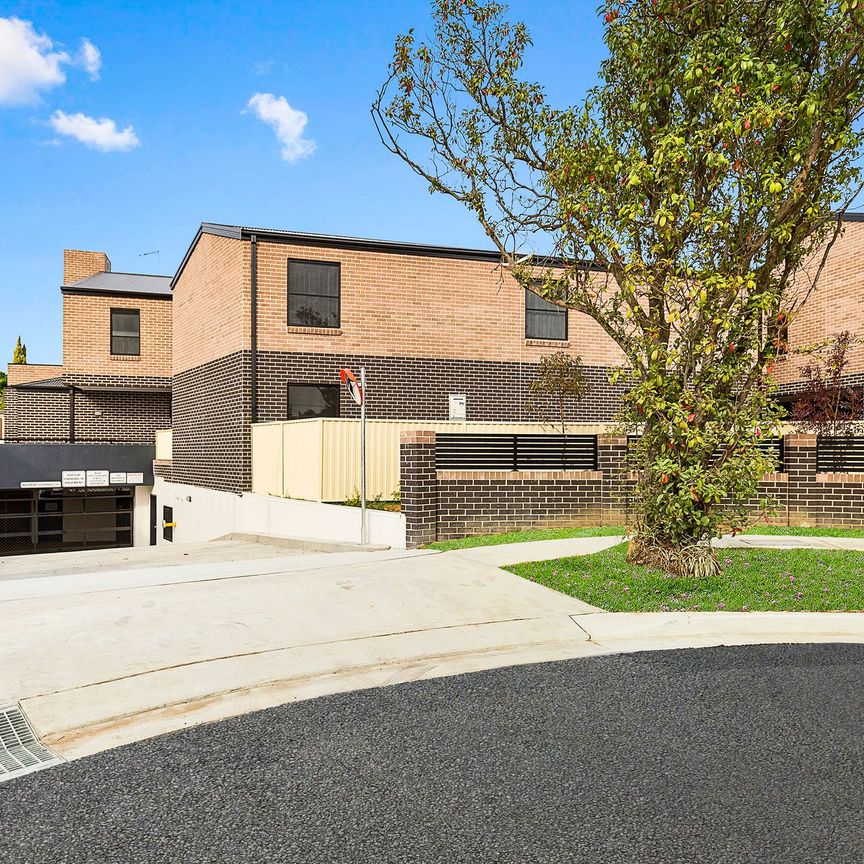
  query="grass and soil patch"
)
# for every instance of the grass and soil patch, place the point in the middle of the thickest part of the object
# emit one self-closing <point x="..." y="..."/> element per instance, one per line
<point x="526" y="537"/>
<point x="773" y="580"/>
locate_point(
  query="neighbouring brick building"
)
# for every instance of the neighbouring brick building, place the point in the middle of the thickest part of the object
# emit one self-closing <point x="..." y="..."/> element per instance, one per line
<point x="256" y="323"/>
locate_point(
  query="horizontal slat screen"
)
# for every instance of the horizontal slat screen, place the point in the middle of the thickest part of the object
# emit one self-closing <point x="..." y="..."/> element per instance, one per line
<point x="515" y="452"/>
<point x="840" y="454"/>
<point x="770" y="447"/>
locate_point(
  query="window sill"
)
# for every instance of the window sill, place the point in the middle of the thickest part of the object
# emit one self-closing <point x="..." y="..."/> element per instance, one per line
<point x="126" y="358"/>
<point x="545" y="343"/>
<point x="316" y="331"/>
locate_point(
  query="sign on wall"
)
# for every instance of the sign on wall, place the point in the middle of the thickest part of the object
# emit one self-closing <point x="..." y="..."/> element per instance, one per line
<point x="135" y="477"/>
<point x="98" y="478"/>
<point x="74" y="479"/>
<point x="40" y="484"/>
<point x="118" y="478"/>
<point x="458" y="406"/>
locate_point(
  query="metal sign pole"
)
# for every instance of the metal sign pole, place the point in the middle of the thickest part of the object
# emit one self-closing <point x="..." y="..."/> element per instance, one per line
<point x="364" y="528"/>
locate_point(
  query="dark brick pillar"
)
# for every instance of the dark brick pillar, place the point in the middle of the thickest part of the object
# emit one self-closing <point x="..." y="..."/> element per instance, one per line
<point x="418" y="487"/>
<point x="800" y="459"/>
<point x="612" y="461"/>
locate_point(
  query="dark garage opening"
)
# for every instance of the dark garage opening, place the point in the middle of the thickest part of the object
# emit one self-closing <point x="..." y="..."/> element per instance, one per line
<point x="62" y="520"/>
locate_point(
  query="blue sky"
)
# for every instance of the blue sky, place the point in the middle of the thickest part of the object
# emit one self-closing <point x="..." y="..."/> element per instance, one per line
<point x="174" y="79"/>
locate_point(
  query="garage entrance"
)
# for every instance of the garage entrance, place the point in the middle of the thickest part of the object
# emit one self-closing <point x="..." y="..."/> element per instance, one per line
<point x="54" y="520"/>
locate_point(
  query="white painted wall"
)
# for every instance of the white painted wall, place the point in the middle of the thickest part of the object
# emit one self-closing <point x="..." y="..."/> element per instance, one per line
<point x="204" y="514"/>
<point x="141" y="516"/>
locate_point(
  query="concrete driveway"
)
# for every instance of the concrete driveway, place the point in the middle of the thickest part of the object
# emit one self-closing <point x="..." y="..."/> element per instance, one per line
<point x="99" y="659"/>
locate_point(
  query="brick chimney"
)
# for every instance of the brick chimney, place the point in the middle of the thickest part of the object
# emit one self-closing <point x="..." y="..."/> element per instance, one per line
<point x="78" y="265"/>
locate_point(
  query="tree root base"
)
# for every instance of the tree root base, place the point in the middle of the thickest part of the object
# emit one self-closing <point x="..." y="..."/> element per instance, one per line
<point x="690" y="562"/>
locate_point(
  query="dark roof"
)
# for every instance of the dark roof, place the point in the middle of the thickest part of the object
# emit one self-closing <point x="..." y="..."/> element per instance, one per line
<point x="45" y="384"/>
<point x="336" y="241"/>
<point x="128" y="284"/>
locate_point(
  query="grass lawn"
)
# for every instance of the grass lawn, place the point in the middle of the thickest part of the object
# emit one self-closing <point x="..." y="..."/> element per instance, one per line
<point x="786" y="531"/>
<point x="751" y="579"/>
<point x="612" y="530"/>
<point x="526" y="536"/>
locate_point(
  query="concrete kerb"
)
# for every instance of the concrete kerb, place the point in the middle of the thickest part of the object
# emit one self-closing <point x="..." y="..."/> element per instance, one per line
<point x="83" y="718"/>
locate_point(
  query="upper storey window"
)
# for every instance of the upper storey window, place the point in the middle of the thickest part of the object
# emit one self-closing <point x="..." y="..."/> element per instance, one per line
<point x="126" y="331"/>
<point x="313" y="294"/>
<point x="544" y="320"/>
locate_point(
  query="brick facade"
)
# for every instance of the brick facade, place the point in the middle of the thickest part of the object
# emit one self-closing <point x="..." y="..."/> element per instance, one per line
<point x="78" y="265"/>
<point x="417" y="475"/>
<point x="87" y="336"/>
<point x="211" y="439"/>
<point x="99" y="415"/>
<point x="441" y="505"/>
<point x="419" y="387"/>
<point x="24" y="373"/>
<point x="36" y="415"/>
<point x="836" y="305"/>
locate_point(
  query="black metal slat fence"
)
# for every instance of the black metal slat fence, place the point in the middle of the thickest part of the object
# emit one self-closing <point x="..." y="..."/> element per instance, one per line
<point x="479" y="452"/>
<point x="770" y="447"/>
<point x="840" y="455"/>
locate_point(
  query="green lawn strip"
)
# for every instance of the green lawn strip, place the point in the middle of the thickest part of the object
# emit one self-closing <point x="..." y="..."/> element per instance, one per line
<point x="527" y="536"/>
<point x="786" y="531"/>
<point x="797" y="580"/>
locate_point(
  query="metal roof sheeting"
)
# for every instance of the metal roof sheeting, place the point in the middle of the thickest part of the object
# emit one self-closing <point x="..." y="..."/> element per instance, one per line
<point x="123" y="283"/>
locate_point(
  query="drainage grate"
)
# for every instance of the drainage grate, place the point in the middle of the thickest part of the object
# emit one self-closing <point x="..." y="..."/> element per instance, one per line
<point x="20" y="750"/>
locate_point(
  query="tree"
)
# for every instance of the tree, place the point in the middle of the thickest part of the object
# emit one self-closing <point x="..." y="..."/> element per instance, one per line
<point x="560" y="379"/>
<point x="706" y="167"/>
<point x="19" y="355"/>
<point x="827" y="407"/>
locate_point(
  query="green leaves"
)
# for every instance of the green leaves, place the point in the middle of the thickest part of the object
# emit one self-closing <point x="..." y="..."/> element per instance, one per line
<point x="703" y="168"/>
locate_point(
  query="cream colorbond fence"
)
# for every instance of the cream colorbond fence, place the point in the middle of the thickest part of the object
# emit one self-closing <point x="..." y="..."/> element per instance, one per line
<point x="319" y="460"/>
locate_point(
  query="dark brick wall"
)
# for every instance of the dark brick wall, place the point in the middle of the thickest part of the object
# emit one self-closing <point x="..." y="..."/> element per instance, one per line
<point x="418" y="388"/>
<point x="417" y="478"/>
<point x="485" y="502"/>
<point x="109" y="416"/>
<point x="36" y="415"/>
<point x="121" y="416"/>
<point x="212" y="411"/>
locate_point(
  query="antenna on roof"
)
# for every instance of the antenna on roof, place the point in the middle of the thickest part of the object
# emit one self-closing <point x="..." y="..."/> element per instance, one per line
<point x="154" y="252"/>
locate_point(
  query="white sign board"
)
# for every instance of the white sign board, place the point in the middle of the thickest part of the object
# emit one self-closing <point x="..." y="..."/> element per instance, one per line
<point x="98" y="478"/>
<point x="458" y="406"/>
<point x="118" y="478"/>
<point x="74" y="479"/>
<point x="135" y="477"/>
<point x="40" y="484"/>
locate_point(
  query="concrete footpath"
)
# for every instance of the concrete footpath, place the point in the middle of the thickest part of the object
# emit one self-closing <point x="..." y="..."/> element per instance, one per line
<point x="101" y="659"/>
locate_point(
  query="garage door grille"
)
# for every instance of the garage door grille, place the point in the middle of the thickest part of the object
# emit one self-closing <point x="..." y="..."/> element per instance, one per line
<point x="20" y="750"/>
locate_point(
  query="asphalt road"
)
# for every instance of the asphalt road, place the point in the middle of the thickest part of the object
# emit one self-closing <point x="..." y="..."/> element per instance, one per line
<point x="751" y="754"/>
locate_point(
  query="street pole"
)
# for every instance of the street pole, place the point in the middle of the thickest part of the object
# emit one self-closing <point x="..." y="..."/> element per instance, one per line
<point x="364" y="528"/>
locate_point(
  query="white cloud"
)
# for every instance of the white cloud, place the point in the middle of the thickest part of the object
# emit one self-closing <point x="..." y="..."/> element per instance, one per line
<point x="28" y="62"/>
<point x="101" y="134"/>
<point x="287" y="122"/>
<point x="90" y="58"/>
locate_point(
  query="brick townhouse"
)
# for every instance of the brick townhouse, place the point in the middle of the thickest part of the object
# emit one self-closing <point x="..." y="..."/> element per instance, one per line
<point x="262" y="321"/>
<point x="96" y="413"/>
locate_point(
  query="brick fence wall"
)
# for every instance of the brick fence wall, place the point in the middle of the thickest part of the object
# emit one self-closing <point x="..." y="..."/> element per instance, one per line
<point x="441" y="505"/>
